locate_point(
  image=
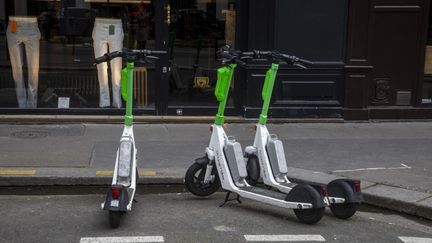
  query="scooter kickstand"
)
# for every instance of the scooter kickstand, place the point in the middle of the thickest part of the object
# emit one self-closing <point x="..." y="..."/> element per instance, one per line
<point x="227" y="199"/>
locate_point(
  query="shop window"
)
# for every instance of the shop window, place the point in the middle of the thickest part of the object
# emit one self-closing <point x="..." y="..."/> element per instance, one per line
<point x="47" y="49"/>
<point x="196" y="30"/>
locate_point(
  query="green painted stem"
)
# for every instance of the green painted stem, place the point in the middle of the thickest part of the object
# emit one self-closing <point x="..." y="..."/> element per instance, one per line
<point x="267" y="92"/>
<point x="225" y="75"/>
<point x="130" y="74"/>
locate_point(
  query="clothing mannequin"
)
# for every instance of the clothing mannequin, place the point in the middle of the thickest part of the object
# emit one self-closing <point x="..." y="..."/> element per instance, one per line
<point x="24" y="31"/>
<point x="108" y="37"/>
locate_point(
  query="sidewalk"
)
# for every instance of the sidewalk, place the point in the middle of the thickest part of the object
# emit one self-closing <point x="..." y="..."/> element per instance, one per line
<point x="393" y="160"/>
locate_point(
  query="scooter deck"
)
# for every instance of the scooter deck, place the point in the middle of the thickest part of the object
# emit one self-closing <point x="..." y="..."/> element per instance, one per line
<point x="264" y="192"/>
<point x="290" y="185"/>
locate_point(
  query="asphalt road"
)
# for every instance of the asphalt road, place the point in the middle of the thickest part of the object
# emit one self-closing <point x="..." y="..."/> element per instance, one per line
<point x="182" y="217"/>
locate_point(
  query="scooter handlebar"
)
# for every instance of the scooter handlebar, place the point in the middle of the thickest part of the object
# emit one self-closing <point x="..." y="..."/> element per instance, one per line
<point x="230" y="55"/>
<point x="130" y="53"/>
<point x="108" y="56"/>
<point x="294" y="59"/>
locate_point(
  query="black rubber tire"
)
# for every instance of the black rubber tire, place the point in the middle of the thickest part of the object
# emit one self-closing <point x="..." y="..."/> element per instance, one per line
<point x="341" y="188"/>
<point x="307" y="194"/>
<point x="344" y="210"/>
<point x="309" y="216"/>
<point x="193" y="181"/>
<point x="253" y="170"/>
<point x="114" y="219"/>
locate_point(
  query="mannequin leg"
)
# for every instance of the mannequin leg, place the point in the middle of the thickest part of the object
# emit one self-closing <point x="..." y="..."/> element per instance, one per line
<point x="116" y="44"/>
<point x="16" y="59"/>
<point x="32" y="47"/>
<point x="100" y="48"/>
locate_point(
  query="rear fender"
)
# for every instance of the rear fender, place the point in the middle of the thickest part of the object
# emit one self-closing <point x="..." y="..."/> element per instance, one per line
<point x="123" y="200"/>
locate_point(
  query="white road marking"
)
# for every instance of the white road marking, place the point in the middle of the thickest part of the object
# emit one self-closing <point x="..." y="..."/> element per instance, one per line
<point x="415" y="239"/>
<point x="284" y="238"/>
<point x="403" y="167"/>
<point x="132" y="239"/>
<point x="224" y="228"/>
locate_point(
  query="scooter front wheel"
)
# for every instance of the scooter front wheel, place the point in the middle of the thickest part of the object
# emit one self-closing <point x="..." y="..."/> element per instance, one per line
<point x="253" y="170"/>
<point x="114" y="218"/>
<point x="307" y="194"/>
<point x="194" y="181"/>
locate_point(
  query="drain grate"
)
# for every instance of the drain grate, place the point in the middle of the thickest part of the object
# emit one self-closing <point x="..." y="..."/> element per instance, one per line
<point x="29" y="134"/>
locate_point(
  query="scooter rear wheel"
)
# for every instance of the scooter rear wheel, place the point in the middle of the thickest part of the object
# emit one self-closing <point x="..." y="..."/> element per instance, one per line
<point x="114" y="218"/>
<point x="194" y="181"/>
<point x="253" y="170"/>
<point x="344" y="210"/>
<point x="341" y="188"/>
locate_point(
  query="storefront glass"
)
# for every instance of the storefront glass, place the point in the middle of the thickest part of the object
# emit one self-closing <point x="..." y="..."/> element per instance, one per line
<point x="47" y="50"/>
<point x="196" y="30"/>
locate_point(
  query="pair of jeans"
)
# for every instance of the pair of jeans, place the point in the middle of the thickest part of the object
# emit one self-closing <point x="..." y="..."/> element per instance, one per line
<point x="108" y="36"/>
<point x="26" y="34"/>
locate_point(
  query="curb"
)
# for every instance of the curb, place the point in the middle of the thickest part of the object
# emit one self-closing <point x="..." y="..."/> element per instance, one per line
<point x="108" y="119"/>
<point x="389" y="197"/>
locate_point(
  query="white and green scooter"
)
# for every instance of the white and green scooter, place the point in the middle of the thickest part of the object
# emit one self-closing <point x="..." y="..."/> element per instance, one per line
<point x="120" y="197"/>
<point x="224" y="164"/>
<point x="266" y="158"/>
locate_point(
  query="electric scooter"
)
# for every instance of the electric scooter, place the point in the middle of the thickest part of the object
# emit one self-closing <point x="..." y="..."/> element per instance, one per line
<point x="224" y="164"/>
<point x="266" y="158"/>
<point x="120" y="197"/>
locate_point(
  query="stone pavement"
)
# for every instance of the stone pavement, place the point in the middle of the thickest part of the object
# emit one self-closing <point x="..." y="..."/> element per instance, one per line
<point x="393" y="159"/>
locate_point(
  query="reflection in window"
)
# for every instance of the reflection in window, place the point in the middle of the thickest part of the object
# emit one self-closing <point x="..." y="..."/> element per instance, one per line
<point x="52" y="45"/>
<point x="197" y="30"/>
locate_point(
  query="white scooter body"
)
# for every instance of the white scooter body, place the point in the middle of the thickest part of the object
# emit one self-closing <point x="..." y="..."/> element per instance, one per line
<point x="273" y="166"/>
<point x="129" y="168"/>
<point x="232" y="172"/>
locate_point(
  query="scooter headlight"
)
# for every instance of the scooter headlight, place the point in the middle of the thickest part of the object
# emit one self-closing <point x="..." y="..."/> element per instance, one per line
<point x="125" y="158"/>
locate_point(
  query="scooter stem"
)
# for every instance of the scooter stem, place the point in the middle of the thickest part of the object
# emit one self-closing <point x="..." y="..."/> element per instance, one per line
<point x="130" y="74"/>
<point x="225" y="75"/>
<point x="267" y="91"/>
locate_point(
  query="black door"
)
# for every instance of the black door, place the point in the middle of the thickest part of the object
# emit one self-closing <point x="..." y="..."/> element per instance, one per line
<point x="192" y="32"/>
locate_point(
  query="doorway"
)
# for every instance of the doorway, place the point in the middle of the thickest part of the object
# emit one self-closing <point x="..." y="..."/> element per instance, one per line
<point x="194" y="31"/>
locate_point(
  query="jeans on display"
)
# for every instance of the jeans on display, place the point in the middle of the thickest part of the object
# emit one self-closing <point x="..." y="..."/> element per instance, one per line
<point x="108" y="36"/>
<point x="24" y="31"/>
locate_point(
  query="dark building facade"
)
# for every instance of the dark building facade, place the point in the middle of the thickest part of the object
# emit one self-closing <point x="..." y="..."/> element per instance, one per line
<point x="387" y="72"/>
<point x="372" y="57"/>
